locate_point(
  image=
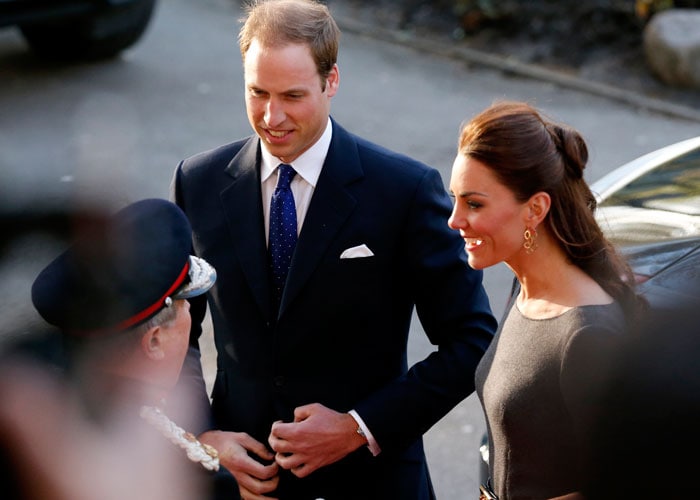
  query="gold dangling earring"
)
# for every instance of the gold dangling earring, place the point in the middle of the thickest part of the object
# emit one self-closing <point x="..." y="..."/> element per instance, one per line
<point x="530" y="243"/>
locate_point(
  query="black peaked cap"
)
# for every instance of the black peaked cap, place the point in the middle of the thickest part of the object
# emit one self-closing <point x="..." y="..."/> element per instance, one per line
<point x="119" y="273"/>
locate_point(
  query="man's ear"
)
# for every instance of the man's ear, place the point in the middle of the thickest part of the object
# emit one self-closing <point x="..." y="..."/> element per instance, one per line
<point x="333" y="81"/>
<point x="538" y="207"/>
<point x="152" y="343"/>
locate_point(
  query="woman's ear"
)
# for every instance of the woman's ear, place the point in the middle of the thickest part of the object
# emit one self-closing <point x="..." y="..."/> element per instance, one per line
<point x="538" y="207"/>
<point x="152" y="343"/>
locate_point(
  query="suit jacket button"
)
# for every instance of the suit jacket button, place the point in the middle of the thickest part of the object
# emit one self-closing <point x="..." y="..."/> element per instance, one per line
<point x="278" y="381"/>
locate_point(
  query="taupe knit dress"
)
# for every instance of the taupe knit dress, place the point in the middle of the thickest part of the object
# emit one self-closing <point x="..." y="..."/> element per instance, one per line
<point x="536" y="384"/>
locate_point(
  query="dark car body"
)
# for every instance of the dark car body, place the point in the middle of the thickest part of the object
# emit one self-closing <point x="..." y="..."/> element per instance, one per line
<point x="78" y="29"/>
<point x="650" y="209"/>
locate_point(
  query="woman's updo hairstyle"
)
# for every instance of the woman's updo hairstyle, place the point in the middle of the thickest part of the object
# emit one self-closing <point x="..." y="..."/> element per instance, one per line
<point x="529" y="153"/>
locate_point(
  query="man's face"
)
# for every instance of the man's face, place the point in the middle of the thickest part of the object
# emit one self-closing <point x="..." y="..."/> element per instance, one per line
<point x="287" y="106"/>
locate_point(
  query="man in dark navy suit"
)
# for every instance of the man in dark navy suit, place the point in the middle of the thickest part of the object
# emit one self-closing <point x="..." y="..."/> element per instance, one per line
<point x="313" y="396"/>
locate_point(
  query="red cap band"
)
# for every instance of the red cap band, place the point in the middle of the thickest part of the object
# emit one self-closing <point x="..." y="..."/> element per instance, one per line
<point x="137" y="318"/>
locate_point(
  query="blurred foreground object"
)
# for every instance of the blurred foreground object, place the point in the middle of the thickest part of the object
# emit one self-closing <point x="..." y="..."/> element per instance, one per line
<point x="646" y="445"/>
<point x="58" y="454"/>
<point x="83" y="412"/>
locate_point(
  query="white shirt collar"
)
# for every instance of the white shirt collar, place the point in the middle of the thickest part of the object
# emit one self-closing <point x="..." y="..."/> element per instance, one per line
<point x="308" y="165"/>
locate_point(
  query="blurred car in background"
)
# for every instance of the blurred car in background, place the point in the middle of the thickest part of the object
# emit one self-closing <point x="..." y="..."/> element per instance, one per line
<point x="78" y="29"/>
<point x="650" y="209"/>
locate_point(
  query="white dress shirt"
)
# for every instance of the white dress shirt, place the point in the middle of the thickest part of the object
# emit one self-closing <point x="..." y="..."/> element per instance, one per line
<point x="308" y="168"/>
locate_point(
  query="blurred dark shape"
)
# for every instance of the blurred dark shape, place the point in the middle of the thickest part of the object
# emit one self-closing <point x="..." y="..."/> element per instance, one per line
<point x="31" y="344"/>
<point x="645" y="445"/>
<point x="34" y="228"/>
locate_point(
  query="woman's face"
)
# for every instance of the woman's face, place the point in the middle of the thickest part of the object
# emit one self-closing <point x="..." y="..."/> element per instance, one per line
<point x="486" y="214"/>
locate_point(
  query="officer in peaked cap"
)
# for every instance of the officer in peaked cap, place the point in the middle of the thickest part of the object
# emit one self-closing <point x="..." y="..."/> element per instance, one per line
<point x="120" y="272"/>
<point x="118" y="294"/>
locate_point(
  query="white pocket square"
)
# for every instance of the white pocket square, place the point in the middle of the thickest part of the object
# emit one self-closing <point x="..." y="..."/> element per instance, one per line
<point x="355" y="252"/>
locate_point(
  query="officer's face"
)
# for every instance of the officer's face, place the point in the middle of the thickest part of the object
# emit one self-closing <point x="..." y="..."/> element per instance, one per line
<point x="177" y="336"/>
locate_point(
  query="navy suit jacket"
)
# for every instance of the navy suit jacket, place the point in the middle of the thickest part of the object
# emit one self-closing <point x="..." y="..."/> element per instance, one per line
<point x="340" y="335"/>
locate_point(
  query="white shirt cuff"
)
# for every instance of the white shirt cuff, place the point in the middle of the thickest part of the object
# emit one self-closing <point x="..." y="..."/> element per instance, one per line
<point x="371" y="443"/>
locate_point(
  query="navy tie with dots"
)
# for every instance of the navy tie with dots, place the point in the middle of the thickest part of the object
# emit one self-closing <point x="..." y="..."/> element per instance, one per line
<point x="283" y="230"/>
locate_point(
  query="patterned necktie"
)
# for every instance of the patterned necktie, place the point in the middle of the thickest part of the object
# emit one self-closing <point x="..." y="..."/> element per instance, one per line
<point x="283" y="230"/>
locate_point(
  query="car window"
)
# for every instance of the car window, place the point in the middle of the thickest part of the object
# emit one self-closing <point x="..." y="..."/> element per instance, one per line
<point x="662" y="204"/>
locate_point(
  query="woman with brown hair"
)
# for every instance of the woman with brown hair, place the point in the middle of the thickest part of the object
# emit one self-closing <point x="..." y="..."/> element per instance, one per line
<point x="521" y="199"/>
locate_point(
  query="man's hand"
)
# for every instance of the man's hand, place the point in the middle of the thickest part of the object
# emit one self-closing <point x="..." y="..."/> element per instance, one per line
<point x="318" y="437"/>
<point x="254" y="479"/>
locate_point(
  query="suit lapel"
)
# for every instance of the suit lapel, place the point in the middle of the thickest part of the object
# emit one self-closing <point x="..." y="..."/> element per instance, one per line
<point x="330" y="206"/>
<point x="242" y="205"/>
